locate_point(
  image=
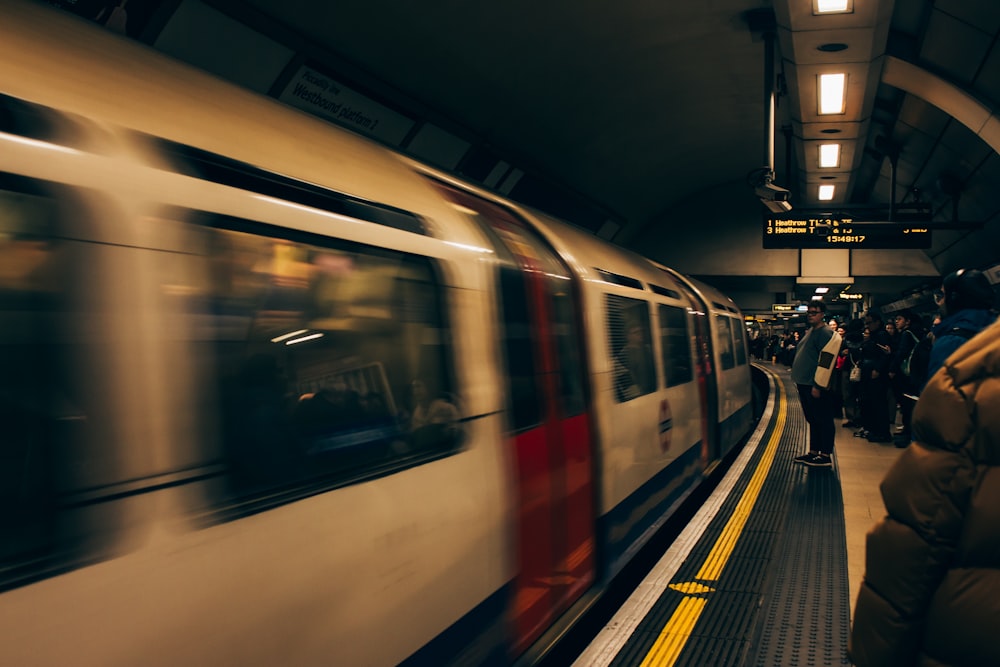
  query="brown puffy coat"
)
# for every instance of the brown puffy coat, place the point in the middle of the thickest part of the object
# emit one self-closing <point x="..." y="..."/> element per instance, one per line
<point x="931" y="594"/>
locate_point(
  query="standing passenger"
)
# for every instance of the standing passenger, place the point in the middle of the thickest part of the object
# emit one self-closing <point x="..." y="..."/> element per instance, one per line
<point x="905" y="384"/>
<point x="850" y="371"/>
<point x="931" y="592"/>
<point x="816" y="399"/>
<point x="876" y="352"/>
<point x="966" y="301"/>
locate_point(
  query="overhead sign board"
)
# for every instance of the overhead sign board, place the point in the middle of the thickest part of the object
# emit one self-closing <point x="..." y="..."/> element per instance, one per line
<point x="789" y="231"/>
<point x="788" y="307"/>
<point x="313" y="91"/>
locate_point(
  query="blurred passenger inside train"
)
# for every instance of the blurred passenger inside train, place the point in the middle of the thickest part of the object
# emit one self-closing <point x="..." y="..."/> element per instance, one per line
<point x="966" y="300"/>
<point x="331" y="409"/>
<point x="908" y="366"/>
<point x="636" y="374"/>
<point x="432" y="419"/>
<point x="931" y="591"/>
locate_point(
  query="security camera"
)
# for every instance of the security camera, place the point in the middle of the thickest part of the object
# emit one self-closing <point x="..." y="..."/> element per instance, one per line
<point x="771" y="192"/>
<point x="776" y="206"/>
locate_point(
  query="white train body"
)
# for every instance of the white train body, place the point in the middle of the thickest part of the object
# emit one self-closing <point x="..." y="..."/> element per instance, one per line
<point x="214" y="308"/>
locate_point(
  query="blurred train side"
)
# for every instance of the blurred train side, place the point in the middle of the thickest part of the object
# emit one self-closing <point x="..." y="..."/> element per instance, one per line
<point x="142" y="207"/>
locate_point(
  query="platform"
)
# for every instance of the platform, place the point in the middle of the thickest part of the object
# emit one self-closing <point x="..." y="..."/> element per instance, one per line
<point x="768" y="570"/>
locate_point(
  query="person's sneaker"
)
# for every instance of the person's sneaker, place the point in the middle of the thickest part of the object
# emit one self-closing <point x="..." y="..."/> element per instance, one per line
<point x="805" y="457"/>
<point x="819" y="461"/>
<point x="861" y="434"/>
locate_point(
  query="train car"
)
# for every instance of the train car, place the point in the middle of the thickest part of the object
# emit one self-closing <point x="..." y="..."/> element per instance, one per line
<point x="274" y="394"/>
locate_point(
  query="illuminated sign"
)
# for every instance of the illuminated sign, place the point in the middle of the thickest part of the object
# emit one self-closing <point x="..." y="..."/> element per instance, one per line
<point x="851" y="296"/>
<point x="788" y="307"/>
<point x="842" y="232"/>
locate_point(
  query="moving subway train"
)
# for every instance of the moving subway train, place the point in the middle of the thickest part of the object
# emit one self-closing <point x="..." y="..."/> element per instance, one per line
<point x="273" y="394"/>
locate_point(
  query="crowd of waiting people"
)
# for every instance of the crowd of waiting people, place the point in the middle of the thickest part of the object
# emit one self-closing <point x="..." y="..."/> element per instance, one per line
<point x="883" y="365"/>
<point x="931" y="590"/>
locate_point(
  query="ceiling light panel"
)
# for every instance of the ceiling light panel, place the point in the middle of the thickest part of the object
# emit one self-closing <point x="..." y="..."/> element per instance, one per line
<point x="825" y="192"/>
<point x="832" y="93"/>
<point x="833" y="6"/>
<point x="829" y="155"/>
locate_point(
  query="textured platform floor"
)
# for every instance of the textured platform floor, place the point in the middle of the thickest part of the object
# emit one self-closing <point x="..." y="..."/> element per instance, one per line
<point x="771" y="575"/>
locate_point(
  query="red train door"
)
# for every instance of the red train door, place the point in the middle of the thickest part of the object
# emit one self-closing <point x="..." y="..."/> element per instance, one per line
<point x="550" y="427"/>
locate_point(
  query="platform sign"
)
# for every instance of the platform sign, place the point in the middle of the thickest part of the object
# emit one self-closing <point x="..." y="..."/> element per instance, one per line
<point x="789" y="231"/>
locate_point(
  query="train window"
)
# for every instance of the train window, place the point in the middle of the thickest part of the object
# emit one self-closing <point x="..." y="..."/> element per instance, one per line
<point x="630" y="348"/>
<point x="567" y="343"/>
<point x="55" y="438"/>
<point x="331" y="360"/>
<point x="739" y="337"/>
<point x="663" y="291"/>
<point x="676" y="345"/>
<point x="727" y="356"/>
<point x="226" y="171"/>
<point x="519" y="349"/>
<point x="618" y="279"/>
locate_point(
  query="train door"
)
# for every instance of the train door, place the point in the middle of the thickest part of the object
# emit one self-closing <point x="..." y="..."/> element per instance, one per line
<point x="708" y="384"/>
<point x="550" y="437"/>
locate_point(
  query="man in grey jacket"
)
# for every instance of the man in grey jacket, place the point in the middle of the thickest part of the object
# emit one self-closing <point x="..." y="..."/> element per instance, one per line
<point x="816" y="400"/>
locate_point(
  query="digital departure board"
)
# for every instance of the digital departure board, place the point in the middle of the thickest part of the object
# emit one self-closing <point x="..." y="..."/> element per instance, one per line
<point x="789" y="231"/>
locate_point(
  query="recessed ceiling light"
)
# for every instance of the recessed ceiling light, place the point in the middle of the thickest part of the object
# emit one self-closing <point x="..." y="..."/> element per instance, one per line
<point x="826" y="192"/>
<point x="832" y="47"/>
<point x="822" y="290"/>
<point x="832" y="6"/>
<point x="831" y="93"/>
<point x="829" y="155"/>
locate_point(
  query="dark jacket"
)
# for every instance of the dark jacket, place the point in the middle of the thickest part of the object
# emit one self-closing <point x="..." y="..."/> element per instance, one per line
<point x="953" y="331"/>
<point x="908" y="341"/>
<point x="874" y="356"/>
<point x="931" y="593"/>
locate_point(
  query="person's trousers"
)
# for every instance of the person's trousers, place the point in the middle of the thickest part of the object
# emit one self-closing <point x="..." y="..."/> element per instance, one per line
<point x="875" y="405"/>
<point x="819" y="415"/>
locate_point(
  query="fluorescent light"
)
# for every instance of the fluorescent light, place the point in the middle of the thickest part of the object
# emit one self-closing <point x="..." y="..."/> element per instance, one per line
<point x="817" y="297"/>
<point x="829" y="155"/>
<point x="822" y="290"/>
<point x="832" y="6"/>
<point x="826" y="192"/>
<point x="295" y="341"/>
<point x="831" y="93"/>
<point x="288" y="335"/>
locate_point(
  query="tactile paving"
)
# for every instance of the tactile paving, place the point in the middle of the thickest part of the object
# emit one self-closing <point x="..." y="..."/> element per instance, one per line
<point x="783" y="597"/>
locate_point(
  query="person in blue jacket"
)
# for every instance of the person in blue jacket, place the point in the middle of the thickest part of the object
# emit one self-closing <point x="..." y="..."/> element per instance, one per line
<point x="966" y="299"/>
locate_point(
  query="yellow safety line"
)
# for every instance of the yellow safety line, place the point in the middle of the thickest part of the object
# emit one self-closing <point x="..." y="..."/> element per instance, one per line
<point x="677" y="631"/>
